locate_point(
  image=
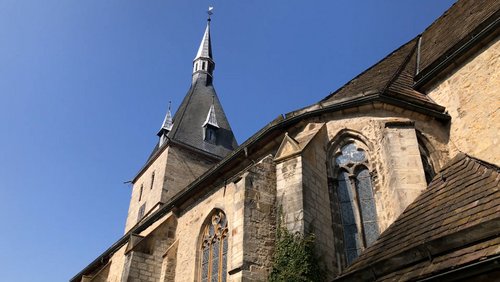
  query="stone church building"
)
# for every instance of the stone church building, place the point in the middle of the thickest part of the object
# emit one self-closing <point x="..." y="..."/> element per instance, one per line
<point x="396" y="173"/>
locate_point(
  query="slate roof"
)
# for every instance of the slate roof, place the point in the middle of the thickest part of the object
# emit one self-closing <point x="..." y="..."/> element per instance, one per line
<point x="458" y="214"/>
<point x="199" y="104"/>
<point x="192" y="113"/>
<point x="167" y="122"/>
<point x="205" y="49"/>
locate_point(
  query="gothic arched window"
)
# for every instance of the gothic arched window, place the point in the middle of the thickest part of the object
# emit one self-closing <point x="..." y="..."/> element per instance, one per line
<point x="213" y="249"/>
<point x="356" y="201"/>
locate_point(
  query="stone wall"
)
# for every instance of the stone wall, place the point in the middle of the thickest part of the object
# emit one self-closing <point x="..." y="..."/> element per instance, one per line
<point x="117" y="264"/>
<point x="190" y="221"/>
<point x="248" y="202"/>
<point x="100" y="276"/>
<point x="182" y="168"/>
<point x="142" y="268"/>
<point x="394" y="160"/>
<point x="289" y="193"/>
<point x="173" y="170"/>
<point x="317" y="210"/>
<point x="150" y="191"/>
<point x="259" y="220"/>
<point x="403" y="170"/>
<point x="169" y="263"/>
<point x="146" y="257"/>
<point x="471" y="96"/>
<point x="305" y="178"/>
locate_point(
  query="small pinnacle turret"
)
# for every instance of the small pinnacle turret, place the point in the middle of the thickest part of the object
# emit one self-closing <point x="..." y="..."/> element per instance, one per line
<point x="166" y="126"/>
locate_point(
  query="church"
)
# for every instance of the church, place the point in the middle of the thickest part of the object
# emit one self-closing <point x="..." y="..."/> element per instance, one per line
<point x="396" y="173"/>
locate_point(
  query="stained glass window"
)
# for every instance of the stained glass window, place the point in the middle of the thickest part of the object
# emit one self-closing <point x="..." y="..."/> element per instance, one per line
<point x="367" y="205"/>
<point x="213" y="259"/>
<point x="357" y="204"/>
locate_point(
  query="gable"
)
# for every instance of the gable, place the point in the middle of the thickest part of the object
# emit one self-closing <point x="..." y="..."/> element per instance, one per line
<point x="288" y="148"/>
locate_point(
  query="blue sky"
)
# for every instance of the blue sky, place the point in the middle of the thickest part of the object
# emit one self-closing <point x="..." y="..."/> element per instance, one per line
<point x="84" y="86"/>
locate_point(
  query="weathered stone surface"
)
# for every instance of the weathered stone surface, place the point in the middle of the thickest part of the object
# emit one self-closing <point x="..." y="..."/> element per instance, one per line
<point x="173" y="170"/>
<point x="472" y="97"/>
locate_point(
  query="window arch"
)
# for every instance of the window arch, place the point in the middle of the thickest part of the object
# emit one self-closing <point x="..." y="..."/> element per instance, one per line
<point x="355" y="198"/>
<point x="213" y="248"/>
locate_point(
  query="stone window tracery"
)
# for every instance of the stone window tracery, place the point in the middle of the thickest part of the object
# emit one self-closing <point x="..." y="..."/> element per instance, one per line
<point x="356" y="202"/>
<point x="213" y="249"/>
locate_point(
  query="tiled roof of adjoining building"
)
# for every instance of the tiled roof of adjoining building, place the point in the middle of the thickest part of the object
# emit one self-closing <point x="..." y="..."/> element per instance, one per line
<point x="456" y="221"/>
<point x="191" y="115"/>
<point x="452" y="262"/>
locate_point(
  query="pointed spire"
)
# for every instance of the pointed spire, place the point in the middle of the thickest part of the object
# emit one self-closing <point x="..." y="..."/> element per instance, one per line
<point x="167" y="122"/>
<point x="211" y="118"/>
<point x="200" y="122"/>
<point x="205" y="49"/>
<point x="203" y="62"/>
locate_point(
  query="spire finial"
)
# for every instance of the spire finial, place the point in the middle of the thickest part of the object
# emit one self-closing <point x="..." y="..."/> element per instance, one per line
<point x="169" y="105"/>
<point x="210" y="13"/>
<point x="203" y="62"/>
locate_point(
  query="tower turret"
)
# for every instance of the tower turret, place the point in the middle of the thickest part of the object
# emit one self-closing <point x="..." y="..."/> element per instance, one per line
<point x="200" y="114"/>
<point x="191" y="142"/>
<point x="203" y="62"/>
<point x="166" y="126"/>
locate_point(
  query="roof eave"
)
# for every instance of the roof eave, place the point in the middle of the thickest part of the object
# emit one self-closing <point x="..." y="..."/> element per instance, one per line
<point x="425" y="251"/>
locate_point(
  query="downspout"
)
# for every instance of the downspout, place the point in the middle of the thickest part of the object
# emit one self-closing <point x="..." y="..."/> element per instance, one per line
<point x="419" y="44"/>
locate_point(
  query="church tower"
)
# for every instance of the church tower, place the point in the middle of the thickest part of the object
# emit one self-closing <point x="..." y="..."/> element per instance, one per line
<point x="190" y="142"/>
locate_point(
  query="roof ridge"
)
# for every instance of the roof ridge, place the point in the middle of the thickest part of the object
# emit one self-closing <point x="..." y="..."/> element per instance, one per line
<point x="182" y="110"/>
<point x="482" y="162"/>
<point x="402" y="67"/>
